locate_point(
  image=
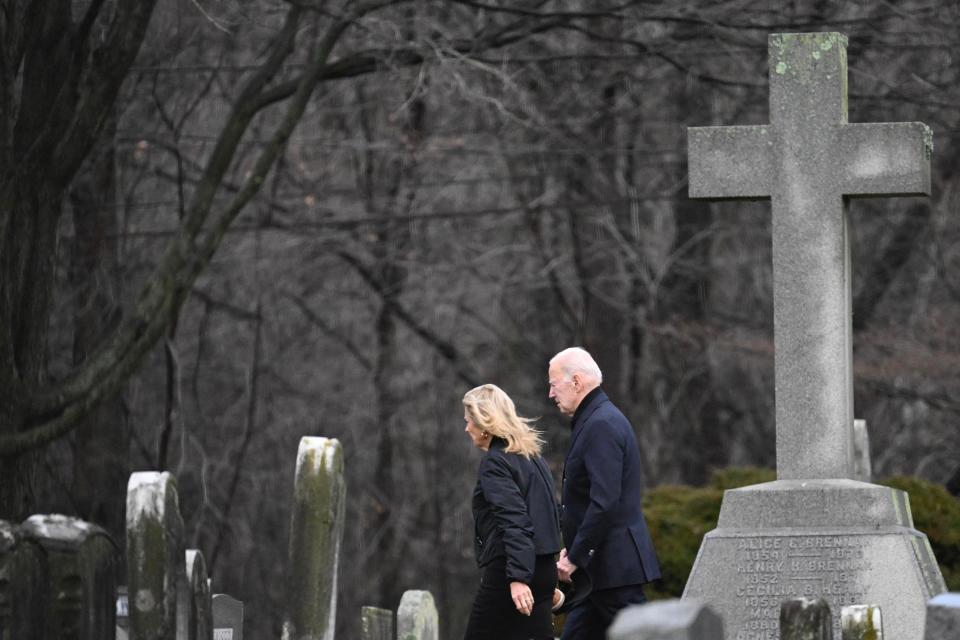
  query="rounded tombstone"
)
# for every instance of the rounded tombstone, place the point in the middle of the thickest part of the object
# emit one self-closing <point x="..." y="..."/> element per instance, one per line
<point x="23" y="584"/>
<point x="82" y="564"/>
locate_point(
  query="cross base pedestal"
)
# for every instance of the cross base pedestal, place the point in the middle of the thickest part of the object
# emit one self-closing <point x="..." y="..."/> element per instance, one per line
<point x="846" y="541"/>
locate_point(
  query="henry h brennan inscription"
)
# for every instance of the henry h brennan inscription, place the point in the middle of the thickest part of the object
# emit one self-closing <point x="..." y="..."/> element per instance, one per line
<point x="770" y="569"/>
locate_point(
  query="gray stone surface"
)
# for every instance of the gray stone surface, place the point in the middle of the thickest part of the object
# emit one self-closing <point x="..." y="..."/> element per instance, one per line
<point x="943" y="617"/>
<point x="81" y="579"/>
<point x="806" y="161"/>
<point x="227" y="617"/>
<point x="805" y="619"/>
<point x="316" y="530"/>
<point x="198" y="619"/>
<point x="417" y="616"/>
<point x="23" y="583"/>
<point x="861" y="622"/>
<point x="845" y="541"/>
<point x="156" y="570"/>
<point x="815" y="532"/>
<point x="667" y="620"/>
<point x="376" y="624"/>
<point x="862" y="468"/>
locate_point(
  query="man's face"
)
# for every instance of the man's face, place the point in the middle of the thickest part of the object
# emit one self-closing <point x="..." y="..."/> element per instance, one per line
<point x="563" y="390"/>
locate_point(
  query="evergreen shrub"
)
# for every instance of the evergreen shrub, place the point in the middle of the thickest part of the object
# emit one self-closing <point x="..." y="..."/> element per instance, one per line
<point x="680" y="515"/>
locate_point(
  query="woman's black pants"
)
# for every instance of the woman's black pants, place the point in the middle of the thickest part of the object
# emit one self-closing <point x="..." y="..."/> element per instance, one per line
<point x="494" y="616"/>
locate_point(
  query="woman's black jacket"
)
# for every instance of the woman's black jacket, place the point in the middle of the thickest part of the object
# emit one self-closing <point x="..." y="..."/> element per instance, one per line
<point x="514" y="511"/>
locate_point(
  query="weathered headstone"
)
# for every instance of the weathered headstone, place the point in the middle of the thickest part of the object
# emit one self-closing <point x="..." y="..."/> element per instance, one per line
<point x="82" y="564"/>
<point x="943" y="617"/>
<point x="199" y="621"/>
<point x="23" y="584"/>
<point x="227" y="617"/>
<point x="376" y="624"/>
<point x="862" y="469"/>
<point x="155" y="555"/>
<point x="417" y="616"/>
<point x="667" y="620"/>
<point x="804" y="619"/>
<point x="316" y="530"/>
<point x="815" y="532"/>
<point x="861" y="622"/>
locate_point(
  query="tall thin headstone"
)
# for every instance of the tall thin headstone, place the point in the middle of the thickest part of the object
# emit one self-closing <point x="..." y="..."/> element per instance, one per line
<point x="417" y="616"/>
<point x="155" y="555"/>
<point x="316" y="530"/>
<point x="199" y="621"/>
<point x="227" y="617"/>
<point x="376" y="624"/>
<point x="667" y="620"/>
<point x="943" y="617"/>
<point x="82" y="561"/>
<point x="24" y="587"/>
<point x="815" y="531"/>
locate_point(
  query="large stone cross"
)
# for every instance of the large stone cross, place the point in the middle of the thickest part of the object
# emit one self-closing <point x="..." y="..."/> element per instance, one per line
<point x="807" y="162"/>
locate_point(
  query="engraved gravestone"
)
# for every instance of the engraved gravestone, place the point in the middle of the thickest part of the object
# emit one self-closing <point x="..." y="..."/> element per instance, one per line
<point x="81" y="575"/>
<point x="815" y="532"/>
<point x="23" y="584"/>
<point x="227" y="617"/>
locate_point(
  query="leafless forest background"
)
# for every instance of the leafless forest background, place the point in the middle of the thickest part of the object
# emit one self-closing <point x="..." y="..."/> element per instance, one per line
<point x="470" y="187"/>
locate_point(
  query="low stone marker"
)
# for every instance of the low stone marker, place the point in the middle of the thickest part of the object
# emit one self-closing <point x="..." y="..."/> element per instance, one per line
<point x="667" y="620"/>
<point x="198" y="619"/>
<point x="81" y="591"/>
<point x="805" y="619"/>
<point x="227" y="617"/>
<point x="861" y="622"/>
<point x="316" y="529"/>
<point x="23" y="576"/>
<point x="943" y="617"/>
<point x="376" y="624"/>
<point x="156" y="569"/>
<point x="417" y="616"/>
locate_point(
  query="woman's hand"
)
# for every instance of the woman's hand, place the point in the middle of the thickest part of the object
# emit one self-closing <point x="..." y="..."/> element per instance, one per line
<point x="522" y="597"/>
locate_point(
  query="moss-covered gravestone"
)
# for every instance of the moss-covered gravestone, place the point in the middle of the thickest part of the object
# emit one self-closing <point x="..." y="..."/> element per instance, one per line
<point x="155" y="555"/>
<point x="861" y="622"/>
<point x="376" y="624"/>
<point x="199" y="621"/>
<point x="23" y="584"/>
<point x="82" y="564"/>
<point x="805" y="619"/>
<point x="817" y="531"/>
<point x="417" y="616"/>
<point x="316" y="529"/>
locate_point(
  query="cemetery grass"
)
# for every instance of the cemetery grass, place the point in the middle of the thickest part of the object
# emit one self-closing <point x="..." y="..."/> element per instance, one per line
<point x="680" y="515"/>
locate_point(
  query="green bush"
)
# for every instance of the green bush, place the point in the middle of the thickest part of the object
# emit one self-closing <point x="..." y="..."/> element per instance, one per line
<point x="679" y="516"/>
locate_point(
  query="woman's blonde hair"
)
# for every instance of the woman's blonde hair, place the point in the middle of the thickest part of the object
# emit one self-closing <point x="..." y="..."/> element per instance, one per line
<point x="490" y="408"/>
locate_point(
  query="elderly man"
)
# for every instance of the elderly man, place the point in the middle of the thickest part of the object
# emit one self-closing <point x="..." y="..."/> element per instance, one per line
<point x="601" y="518"/>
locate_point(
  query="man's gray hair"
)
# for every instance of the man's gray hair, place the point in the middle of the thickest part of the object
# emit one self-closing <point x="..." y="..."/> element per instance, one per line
<point x="576" y="360"/>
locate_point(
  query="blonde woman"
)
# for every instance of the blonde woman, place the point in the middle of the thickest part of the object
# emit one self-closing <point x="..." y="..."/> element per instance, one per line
<point x="517" y="531"/>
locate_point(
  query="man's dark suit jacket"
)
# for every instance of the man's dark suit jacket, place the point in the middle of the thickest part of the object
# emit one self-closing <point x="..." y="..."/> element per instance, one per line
<point x="514" y="511"/>
<point x="603" y="525"/>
